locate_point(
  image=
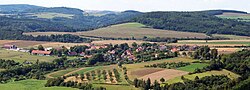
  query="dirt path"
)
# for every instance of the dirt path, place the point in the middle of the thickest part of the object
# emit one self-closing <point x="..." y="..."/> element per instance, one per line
<point x="72" y="72"/>
<point x="49" y="75"/>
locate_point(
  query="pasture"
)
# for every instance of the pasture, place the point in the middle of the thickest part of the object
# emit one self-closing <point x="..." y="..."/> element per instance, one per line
<point x="116" y="87"/>
<point x="30" y="84"/>
<point x="231" y="75"/>
<point x="128" y="30"/>
<point x="23" y="56"/>
<point x="231" y="37"/>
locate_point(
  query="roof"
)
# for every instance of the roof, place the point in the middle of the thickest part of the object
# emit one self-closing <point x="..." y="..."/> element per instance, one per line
<point x="41" y="52"/>
<point x="72" y="53"/>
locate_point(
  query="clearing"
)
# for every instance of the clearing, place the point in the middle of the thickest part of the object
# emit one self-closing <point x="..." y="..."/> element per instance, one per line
<point x="235" y="16"/>
<point x="48" y="15"/>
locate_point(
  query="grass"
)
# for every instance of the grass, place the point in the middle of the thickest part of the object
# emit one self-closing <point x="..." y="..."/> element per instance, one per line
<point x="30" y="84"/>
<point x="116" y="87"/>
<point x="22" y="56"/>
<point x="192" y="67"/>
<point x="52" y="15"/>
<point x="221" y="42"/>
<point x="128" y="30"/>
<point x="230" y="74"/>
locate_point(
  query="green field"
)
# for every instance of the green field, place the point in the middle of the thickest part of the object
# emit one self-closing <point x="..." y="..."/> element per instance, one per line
<point x="30" y="85"/>
<point x="87" y="69"/>
<point x="192" y="67"/>
<point x="52" y="15"/>
<point x="221" y="42"/>
<point x="22" y="56"/>
<point x="230" y="74"/>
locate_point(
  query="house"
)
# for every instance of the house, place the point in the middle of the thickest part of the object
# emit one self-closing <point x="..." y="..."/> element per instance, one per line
<point x="112" y="52"/>
<point x="39" y="52"/>
<point x="8" y="46"/>
<point x="72" y="53"/>
<point x="139" y="49"/>
<point x="174" y="50"/>
<point x="82" y="54"/>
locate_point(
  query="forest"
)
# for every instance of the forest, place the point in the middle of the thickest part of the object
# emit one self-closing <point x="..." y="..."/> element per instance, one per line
<point x="200" y="21"/>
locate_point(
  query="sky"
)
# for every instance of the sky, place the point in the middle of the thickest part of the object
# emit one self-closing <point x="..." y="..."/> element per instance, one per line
<point x="140" y="5"/>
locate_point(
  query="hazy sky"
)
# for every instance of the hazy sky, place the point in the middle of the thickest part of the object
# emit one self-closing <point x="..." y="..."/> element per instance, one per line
<point x="140" y="5"/>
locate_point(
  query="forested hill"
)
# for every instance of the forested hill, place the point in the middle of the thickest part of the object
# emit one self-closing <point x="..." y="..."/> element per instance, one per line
<point x="202" y="22"/>
<point x="35" y="18"/>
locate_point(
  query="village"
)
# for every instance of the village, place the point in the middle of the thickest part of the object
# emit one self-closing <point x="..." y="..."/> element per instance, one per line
<point x="112" y="53"/>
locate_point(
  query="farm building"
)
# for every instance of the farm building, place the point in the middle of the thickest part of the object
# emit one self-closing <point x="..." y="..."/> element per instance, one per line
<point x="39" y="52"/>
<point x="8" y="46"/>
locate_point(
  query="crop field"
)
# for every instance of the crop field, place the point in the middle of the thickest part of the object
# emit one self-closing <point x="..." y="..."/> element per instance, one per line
<point x="30" y="84"/>
<point x="129" y="42"/>
<point x="128" y="30"/>
<point x="22" y="56"/>
<point x="60" y="73"/>
<point x="231" y="75"/>
<point x="166" y="74"/>
<point x="52" y="15"/>
<point x="192" y="67"/>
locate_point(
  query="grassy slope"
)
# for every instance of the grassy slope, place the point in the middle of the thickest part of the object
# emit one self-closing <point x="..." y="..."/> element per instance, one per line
<point x="21" y="56"/>
<point x="116" y="87"/>
<point x="192" y="67"/>
<point x="128" y="30"/>
<point x="30" y="85"/>
<point x="230" y="74"/>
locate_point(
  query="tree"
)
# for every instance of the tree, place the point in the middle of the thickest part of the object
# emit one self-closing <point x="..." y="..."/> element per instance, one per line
<point x="162" y="80"/>
<point x="40" y="47"/>
<point x="214" y="53"/>
<point x="96" y="58"/>
<point x="148" y="84"/>
<point x="134" y="44"/>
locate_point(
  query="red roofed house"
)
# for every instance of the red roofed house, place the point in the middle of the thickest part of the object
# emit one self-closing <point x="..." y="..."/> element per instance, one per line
<point x="72" y="53"/>
<point x="7" y="46"/>
<point x="39" y="52"/>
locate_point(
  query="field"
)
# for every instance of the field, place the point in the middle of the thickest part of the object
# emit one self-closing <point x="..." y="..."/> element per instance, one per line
<point x="30" y="85"/>
<point x="52" y="15"/>
<point x="231" y="75"/>
<point x="128" y="30"/>
<point x="236" y="16"/>
<point x="28" y="44"/>
<point x="231" y="37"/>
<point x="192" y="67"/>
<point x="166" y="74"/>
<point x="129" y="42"/>
<point x="60" y="73"/>
<point x="22" y="56"/>
<point x="116" y="87"/>
<point x="213" y="43"/>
